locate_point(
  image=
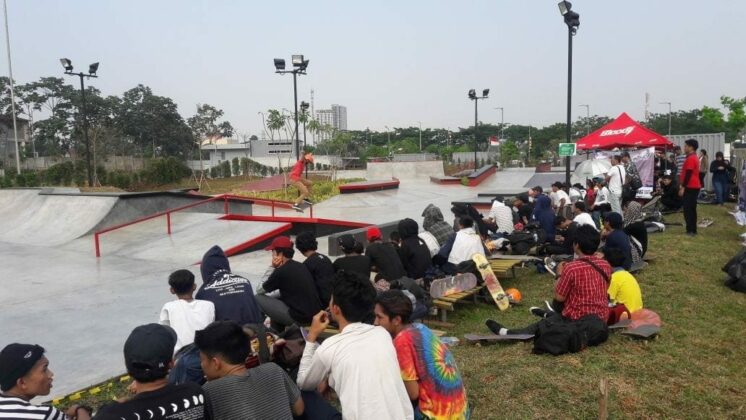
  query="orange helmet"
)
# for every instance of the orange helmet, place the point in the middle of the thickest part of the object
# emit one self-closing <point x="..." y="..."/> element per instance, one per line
<point x="514" y="295"/>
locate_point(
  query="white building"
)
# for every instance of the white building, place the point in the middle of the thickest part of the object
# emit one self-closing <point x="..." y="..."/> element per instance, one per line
<point x="336" y="117"/>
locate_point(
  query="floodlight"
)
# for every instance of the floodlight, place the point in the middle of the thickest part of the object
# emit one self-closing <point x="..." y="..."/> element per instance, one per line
<point x="279" y="64"/>
<point x="304" y="65"/>
<point x="572" y="20"/>
<point x="304" y="106"/>
<point x="297" y="60"/>
<point x="67" y="64"/>
<point x="92" y="69"/>
<point x="564" y="7"/>
<point x="485" y="92"/>
<point x="472" y="93"/>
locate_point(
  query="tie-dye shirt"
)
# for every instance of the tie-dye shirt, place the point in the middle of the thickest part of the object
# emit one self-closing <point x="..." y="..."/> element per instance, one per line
<point x="423" y="358"/>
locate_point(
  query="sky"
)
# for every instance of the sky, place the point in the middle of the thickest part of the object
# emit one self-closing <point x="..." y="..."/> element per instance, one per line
<point x="393" y="63"/>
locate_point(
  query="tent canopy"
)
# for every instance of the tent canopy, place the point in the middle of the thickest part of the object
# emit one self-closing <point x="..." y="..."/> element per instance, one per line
<point x="623" y="132"/>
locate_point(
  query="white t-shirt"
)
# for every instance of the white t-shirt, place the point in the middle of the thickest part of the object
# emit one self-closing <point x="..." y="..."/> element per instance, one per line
<point x="585" y="219"/>
<point x="467" y="244"/>
<point x="186" y="318"/>
<point x="602" y="196"/>
<point x="617" y="174"/>
<point x="558" y="196"/>
<point x="503" y="217"/>
<point x="363" y="369"/>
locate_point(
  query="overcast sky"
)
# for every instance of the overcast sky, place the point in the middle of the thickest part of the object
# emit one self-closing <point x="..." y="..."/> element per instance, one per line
<point x="393" y="62"/>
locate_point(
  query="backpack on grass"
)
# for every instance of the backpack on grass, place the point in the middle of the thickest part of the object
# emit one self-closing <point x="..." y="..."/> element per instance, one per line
<point x="559" y="336"/>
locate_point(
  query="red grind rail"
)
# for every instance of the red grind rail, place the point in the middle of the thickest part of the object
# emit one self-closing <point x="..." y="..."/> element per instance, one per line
<point x="287" y="219"/>
<point x="226" y="210"/>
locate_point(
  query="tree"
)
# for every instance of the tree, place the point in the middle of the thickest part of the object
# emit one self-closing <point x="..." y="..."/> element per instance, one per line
<point x="236" y="166"/>
<point x="736" y="116"/>
<point x="275" y="122"/>
<point x="50" y="95"/>
<point x="204" y="126"/>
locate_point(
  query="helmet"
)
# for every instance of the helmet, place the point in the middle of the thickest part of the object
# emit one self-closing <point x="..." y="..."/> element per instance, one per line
<point x="514" y="295"/>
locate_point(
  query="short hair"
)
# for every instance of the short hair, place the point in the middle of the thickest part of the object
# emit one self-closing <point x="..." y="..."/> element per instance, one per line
<point x="694" y="144"/>
<point x="559" y="220"/>
<point x="587" y="239"/>
<point x="286" y="252"/>
<point x="225" y="340"/>
<point x="354" y="294"/>
<point x="616" y="221"/>
<point x="395" y="303"/>
<point x="538" y="189"/>
<point x="466" y="221"/>
<point x="394" y="236"/>
<point x="614" y="256"/>
<point x="676" y="148"/>
<point x="719" y="154"/>
<point x="625" y="154"/>
<point x="181" y="281"/>
<point x="617" y="158"/>
<point x="306" y="241"/>
<point x="580" y="206"/>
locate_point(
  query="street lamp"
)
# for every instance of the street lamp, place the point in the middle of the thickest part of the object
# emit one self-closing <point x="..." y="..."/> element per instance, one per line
<point x="92" y="69"/>
<point x="299" y="67"/>
<point x="304" y="110"/>
<point x="572" y="20"/>
<point x="420" y="123"/>
<point x="669" y="116"/>
<point x="473" y="96"/>
<point x="502" y="133"/>
<point x="587" y="118"/>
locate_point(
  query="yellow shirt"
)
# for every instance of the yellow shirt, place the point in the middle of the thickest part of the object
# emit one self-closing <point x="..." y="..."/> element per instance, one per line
<point x="624" y="289"/>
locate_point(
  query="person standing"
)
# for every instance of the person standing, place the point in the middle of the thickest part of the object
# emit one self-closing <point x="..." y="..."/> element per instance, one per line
<point x="303" y="185"/>
<point x="615" y="179"/>
<point x="690" y="186"/>
<point x="678" y="159"/>
<point x="720" y="180"/>
<point x="704" y="166"/>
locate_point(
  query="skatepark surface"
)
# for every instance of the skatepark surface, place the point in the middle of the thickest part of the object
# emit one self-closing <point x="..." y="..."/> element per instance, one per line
<point x="57" y="294"/>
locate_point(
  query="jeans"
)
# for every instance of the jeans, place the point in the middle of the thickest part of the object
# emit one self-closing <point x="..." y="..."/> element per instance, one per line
<point x="317" y="408"/>
<point x="720" y="188"/>
<point x="690" y="209"/>
<point x="616" y="202"/>
<point x="187" y="367"/>
<point x="276" y="310"/>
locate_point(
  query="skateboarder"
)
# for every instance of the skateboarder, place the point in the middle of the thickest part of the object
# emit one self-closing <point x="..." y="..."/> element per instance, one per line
<point x="427" y="366"/>
<point x="303" y="185"/>
<point x="581" y="289"/>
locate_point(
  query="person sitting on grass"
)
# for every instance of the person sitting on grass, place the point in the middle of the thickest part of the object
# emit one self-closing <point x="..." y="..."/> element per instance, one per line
<point x="384" y="258"/>
<point x="359" y="363"/>
<point x="25" y="375"/>
<point x="185" y="315"/>
<point x="148" y="354"/>
<point x="523" y="207"/>
<point x="466" y="244"/>
<point x="414" y="253"/>
<point x="624" y="291"/>
<point x="304" y="185"/>
<point x="563" y="240"/>
<point x="616" y="238"/>
<point x="581" y="216"/>
<point x="235" y="392"/>
<point x="319" y="265"/>
<point x="427" y="366"/>
<point x="434" y="222"/>
<point x="670" y="198"/>
<point x="580" y="292"/>
<point x="298" y="300"/>
<point x="352" y="261"/>
<point x="544" y="216"/>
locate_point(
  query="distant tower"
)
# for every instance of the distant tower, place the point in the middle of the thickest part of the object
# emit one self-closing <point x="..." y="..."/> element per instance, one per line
<point x="647" y="107"/>
<point x="313" y="115"/>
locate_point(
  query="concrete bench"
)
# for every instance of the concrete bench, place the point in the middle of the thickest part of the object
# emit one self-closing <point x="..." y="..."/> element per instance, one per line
<point x="366" y="186"/>
<point x="359" y="235"/>
<point x="446" y="304"/>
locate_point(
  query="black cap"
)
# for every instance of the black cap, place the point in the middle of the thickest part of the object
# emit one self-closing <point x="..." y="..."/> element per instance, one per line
<point x="16" y="360"/>
<point x="148" y="351"/>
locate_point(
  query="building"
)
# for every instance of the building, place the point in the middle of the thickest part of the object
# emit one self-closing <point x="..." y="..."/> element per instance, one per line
<point x="325" y="117"/>
<point x="339" y="115"/>
<point x="336" y="118"/>
<point x="7" y="140"/>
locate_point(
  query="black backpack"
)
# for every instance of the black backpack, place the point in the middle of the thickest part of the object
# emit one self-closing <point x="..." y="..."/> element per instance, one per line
<point x="559" y="336"/>
<point x="736" y="270"/>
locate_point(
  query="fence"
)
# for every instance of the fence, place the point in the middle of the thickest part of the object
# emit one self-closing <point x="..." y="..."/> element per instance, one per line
<point x="111" y="163"/>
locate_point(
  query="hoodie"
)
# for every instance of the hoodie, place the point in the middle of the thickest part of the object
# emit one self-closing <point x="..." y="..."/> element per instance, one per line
<point x="434" y="223"/>
<point x="544" y="214"/>
<point x="231" y="294"/>
<point x="414" y="253"/>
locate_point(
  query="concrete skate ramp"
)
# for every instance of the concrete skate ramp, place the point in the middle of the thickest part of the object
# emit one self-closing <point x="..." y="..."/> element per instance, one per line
<point x="404" y="170"/>
<point x="35" y="217"/>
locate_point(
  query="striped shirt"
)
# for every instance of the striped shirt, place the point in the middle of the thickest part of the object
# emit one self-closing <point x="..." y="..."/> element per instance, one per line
<point x="16" y="408"/>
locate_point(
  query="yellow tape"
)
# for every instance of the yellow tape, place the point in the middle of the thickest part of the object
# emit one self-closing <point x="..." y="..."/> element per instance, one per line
<point x="93" y="390"/>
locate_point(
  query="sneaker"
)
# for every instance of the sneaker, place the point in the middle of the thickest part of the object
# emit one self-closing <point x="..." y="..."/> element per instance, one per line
<point x="537" y="311"/>
<point x="550" y="265"/>
<point x="549" y="306"/>
<point x="307" y="201"/>
<point x="494" y="326"/>
<point x="297" y="208"/>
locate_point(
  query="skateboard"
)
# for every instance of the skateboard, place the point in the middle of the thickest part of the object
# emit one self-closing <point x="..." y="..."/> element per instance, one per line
<point x="643" y="331"/>
<point x="705" y="223"/>
<point x="450" y="285"/>
<point x="644" y="324"/>
<point x="303" y="205"/>
<point x="486" y="338"/>
<point x="496" y="290"/>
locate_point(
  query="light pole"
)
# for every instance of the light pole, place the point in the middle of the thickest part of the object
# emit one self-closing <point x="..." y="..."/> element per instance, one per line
<point x="502" y="122"/>
<point x="572" y="20"/>
<point x="304" y="110"/>
<point x="587" y="118"/>
<point x="473" y="96"/>
<point x="420" y="123"/>
<point x="388" y="136"/>
<point x="299" y="67"/>
<point x="92" y="69"/>
<point x="669" y="116"/>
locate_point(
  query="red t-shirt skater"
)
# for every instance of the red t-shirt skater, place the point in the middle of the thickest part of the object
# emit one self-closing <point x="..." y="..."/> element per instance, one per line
<point x="690" y="164"/>
<point x="299" y="165"/>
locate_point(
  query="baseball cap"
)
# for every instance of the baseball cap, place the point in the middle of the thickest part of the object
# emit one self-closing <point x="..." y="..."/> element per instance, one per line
<point x="148" y="351"/>
<point x="309" y="157"/>
<point x="280" y="242"/>
<point x="16" y="360"/>
<point x="373" y="233"/>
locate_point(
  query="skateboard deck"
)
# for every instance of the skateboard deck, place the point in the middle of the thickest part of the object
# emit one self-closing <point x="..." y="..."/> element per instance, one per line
<point x="476" y="338"/>
<point x="515" y="257"/>
<point x="643" y="331"/>
<point x="454" y="284"/>
<point x="490" y="280"/>
<point x="303" y="205"/>
<point x="621" y="324"/>
<point x="705" y="223"/>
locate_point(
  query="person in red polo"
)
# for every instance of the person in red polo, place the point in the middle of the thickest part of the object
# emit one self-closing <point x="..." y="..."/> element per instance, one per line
<point x="581" y="290"/>
<point x="303" y="185"/>
<point x="690" y="185"/>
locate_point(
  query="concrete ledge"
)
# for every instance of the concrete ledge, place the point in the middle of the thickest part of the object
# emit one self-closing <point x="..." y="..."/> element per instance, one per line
<point x="365" y="186"/>
<point x="445" y="180"/>
<point x="476" y="177"/>
<point x="359" y="235"/>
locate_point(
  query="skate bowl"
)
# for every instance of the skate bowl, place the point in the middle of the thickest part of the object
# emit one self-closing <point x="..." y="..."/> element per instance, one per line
<point x="404" y="170"/>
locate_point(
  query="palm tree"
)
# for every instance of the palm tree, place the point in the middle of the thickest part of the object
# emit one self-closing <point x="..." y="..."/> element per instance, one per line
<point x="275" y="121"/>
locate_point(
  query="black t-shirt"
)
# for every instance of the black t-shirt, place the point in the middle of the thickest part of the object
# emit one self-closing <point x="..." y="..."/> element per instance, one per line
<point x="415" y="256"/>
<point x="525" y="212"/>
<point x="297" y="290"/>
<point x="183" y="402"/>
<point x="322" y="271"/>
<point x="384" y="257"/>
<point x="354" y="264"/>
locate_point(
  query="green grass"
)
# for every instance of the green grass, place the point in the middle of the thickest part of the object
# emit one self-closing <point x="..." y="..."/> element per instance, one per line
<point x="696" y="368"/>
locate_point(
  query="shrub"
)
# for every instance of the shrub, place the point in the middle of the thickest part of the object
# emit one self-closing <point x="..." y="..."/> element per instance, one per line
<point x="226" y="169"/>
<point x="164" y="171"/>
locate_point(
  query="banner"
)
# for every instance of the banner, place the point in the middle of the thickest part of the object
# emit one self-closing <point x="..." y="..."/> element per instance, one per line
<point x="494" y="141"/>
<point x="644" y="160"/>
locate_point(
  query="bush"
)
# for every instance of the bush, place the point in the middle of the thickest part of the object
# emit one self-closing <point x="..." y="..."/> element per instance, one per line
<point x="214" y="172"/>
<point x="6" y="182"/>
<point x="226" y="169"/>
<point x="244" y="164"/>
<point x="165" y="171"/>
<point x="60" y="174"/>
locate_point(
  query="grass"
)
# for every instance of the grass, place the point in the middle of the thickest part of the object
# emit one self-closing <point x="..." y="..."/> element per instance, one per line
<point x="694" y="369"/>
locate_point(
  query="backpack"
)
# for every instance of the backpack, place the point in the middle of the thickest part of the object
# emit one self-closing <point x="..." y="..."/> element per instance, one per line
<point x="559" y="335"/>
<point x="736" y="270"/>
<point x="521" y="242"/>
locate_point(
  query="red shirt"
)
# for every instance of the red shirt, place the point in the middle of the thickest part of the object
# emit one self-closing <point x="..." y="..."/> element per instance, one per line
<point x="299" y="165"/>
<point x="584" y="288"/>
<point x="590" y="196"/>
<point x="690" y="164"/>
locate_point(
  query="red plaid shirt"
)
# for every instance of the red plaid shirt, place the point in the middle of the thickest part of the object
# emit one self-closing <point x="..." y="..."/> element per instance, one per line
<point x="584" y="288"/>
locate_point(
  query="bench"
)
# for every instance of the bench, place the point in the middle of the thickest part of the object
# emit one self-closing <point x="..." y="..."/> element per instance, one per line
<point x="501" y="267"/>
<point x="447" y="303"/>
<point x="366" y="186"/>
